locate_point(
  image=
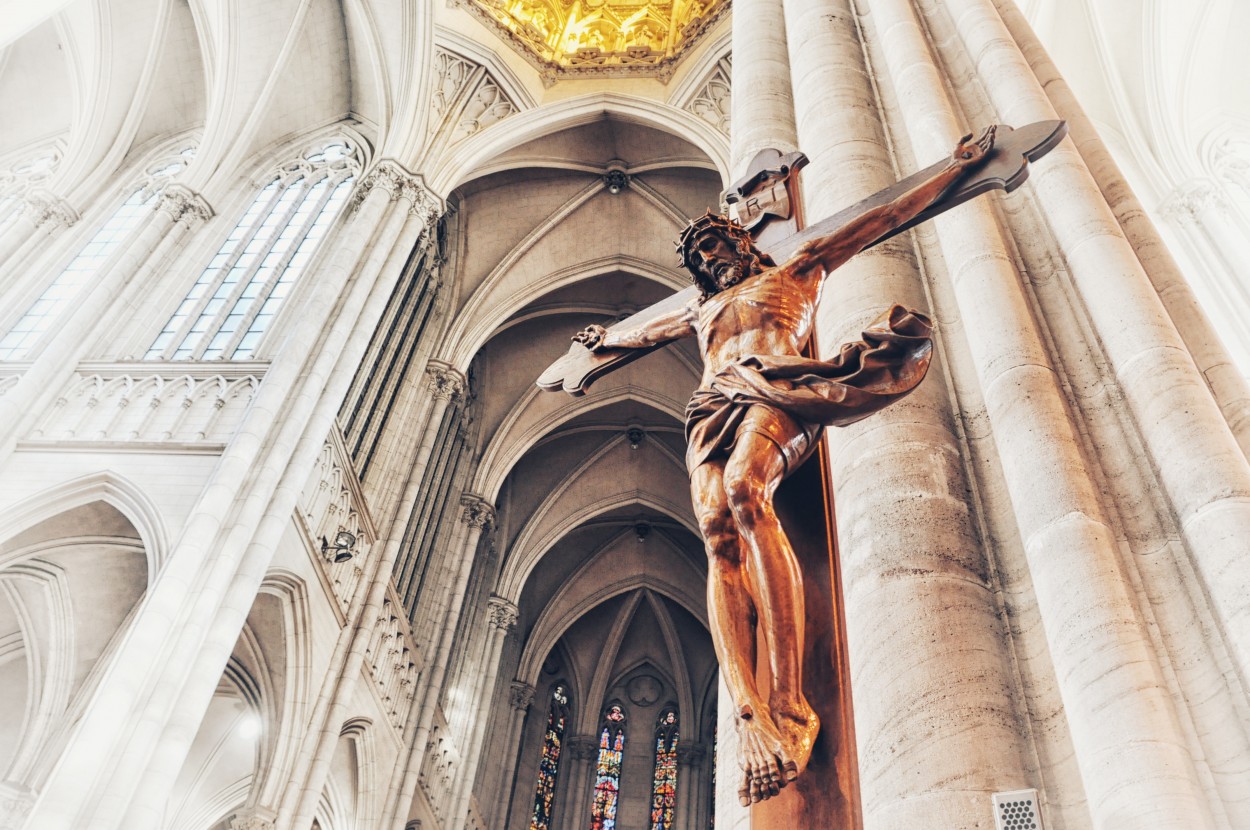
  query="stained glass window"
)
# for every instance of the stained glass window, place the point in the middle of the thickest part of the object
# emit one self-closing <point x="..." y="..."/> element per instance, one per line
<point x="664" y="781"/>
<point x="18" y="342"/>
<point x="608" y="769"/>
<point x="237" y="297"/>
<point x="549" y="764"/>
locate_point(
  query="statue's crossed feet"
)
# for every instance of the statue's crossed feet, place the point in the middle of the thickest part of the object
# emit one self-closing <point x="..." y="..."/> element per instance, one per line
<point x="773" y="750"/>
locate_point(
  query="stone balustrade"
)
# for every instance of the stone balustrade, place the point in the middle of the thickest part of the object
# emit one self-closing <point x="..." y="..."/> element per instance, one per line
<point x="162" y="403"/>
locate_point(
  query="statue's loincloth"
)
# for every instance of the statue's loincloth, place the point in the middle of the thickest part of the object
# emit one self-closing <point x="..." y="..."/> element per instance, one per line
<point x="789" y="399"/>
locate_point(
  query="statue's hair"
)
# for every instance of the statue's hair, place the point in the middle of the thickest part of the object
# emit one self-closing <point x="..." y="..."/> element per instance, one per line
<point x="710" y="222"/>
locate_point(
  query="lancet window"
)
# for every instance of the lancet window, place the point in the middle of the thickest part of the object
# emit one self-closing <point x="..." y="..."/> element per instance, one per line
<point x="608" y="769"/>
<point x="83" y="268"/>
<point x="549" y="763"/>
<point x="664" y="779"/>
<point x="238" y="295"/>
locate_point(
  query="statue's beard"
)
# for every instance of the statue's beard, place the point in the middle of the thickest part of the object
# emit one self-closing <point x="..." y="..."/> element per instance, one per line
<point x="728" y="274"/>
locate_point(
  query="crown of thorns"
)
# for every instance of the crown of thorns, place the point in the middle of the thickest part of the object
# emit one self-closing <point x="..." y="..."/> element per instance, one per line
<point x="710" y="222"/>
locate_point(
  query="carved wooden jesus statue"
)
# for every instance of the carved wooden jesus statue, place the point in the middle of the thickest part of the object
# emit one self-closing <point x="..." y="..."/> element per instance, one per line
<point x="757" y="414"/>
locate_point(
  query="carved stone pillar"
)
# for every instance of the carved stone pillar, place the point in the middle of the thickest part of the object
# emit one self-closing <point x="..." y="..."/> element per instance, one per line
<point x="520" y="698"/>
<point x="176" y="212"/>
<point x="690" y="793"/>
<point x="478" y="515"/>
<point x="1201" y="213"/>
<point x="762" y="108"/>
<point x="43" y="214"/>
<point x="502" y="617"/>
<point x="573" y="811"/>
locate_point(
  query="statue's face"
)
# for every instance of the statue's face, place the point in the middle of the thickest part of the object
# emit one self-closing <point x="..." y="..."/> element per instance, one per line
<point x="720" y="260"/>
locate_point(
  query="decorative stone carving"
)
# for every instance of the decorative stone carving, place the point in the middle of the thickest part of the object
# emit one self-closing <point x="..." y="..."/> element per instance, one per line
<point x="444" y="382"/>
<point x="644" y="690"/>
<point x="46" y="207"/>
<point x="466" y="98"/>
<point x="478" y="512"/>
<point x="391" y="655"/>
<point x="250" y="823"/>
<point x="520" y="695"/>
<point x="332" y="501"/>
<point x="184" y="406"/>
<point x="691" y="753"/>
<point x="712" y="101"/>
<point x="583" y="747"/>
<point x="179" y="201"/>
<point x="1187" y="203"/>
<point x="503" y="613"/>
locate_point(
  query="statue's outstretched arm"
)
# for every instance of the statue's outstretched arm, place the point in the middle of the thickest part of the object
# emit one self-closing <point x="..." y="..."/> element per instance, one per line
<point x="673" y="325"/>
<point x="829" y="252"/>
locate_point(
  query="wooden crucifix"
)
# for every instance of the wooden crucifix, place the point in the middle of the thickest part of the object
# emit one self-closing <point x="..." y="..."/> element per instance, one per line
<point x="774" y="593"/>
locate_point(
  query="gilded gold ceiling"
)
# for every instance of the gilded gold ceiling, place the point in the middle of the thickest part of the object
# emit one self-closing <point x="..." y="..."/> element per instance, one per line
<point x="570" y="37"/>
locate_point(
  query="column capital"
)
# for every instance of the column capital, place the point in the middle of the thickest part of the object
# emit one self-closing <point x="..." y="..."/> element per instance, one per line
<point x="180" y="201"/>
<point x="503" y="613"/>
<point x="445" y="382"/>
<point x="520" y="695"/>
<point x="252" y="822"/>
<point x="1187" y="202"/>
<point x="478" y="512"/>
<point x="45" y="207"/>
<point x="583" y="747"/>
<point x="690" y="753"/>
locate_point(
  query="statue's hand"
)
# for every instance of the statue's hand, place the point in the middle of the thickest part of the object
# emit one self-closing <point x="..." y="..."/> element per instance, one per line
<point x="970" y="153"/>
<point x="591" y="337"/>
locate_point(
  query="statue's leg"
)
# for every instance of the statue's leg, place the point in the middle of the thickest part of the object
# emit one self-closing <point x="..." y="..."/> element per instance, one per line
<point x="731" y="617"/>
<point x="752" y="475"/>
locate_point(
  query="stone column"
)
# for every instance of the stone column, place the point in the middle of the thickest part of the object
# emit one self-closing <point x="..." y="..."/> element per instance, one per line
<point x="520" y="698"/>
<point x="502" y="618"/>
<point x="916" y="578"/>
<point x="762" y="111"/>
<point x="43" y="214"/>
<point x="573" y="813"/>
<point x="1199" y="464"/>
<point x="1225" y="379"/>
<point x="1200" y="213"/>
<point x="479" y="515"/>
<point x="177" y="211"/>
<point x="689" y="786"/>
<point x="167" y="639"/>
<point x="1082" y="590"/>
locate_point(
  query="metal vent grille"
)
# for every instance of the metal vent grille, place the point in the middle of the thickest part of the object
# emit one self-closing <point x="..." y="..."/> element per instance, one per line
<point x="1017" y="810"/>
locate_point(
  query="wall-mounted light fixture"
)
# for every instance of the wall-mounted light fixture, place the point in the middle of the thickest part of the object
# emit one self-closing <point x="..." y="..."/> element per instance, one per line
<point x="634" y="435"/>
<point x="341" y="550"/>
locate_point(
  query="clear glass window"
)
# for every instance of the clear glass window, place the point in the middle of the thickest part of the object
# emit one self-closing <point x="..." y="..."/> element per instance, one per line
<point x="236" y="298"/>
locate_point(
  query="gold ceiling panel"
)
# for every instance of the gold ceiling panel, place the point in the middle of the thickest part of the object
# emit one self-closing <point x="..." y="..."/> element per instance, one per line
<point x="600" y="37"/>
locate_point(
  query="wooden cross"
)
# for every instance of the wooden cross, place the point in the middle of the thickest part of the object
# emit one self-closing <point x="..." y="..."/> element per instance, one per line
<point x="766" y="203"/>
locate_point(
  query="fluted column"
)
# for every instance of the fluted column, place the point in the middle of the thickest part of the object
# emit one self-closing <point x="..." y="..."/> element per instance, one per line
<point x="1200" y="466"/>
<point x="574" y="812"/>
<point x="1226" y="380"/>
<point x="177" y="211"/>
<point x="1083" y="592"/>
<point x="690" y="759"/>
<point x="223" y="580"/>
<point x="213" y="570"/>
<point x="478" y="515"/>
<point x="520" y="698"/>
<point x="916" y="578"/>
<point x="42" y="215"/>
<point x="763" y="110"/>
<point x="1199" y="211"/>
<point x="502" y="618"/>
